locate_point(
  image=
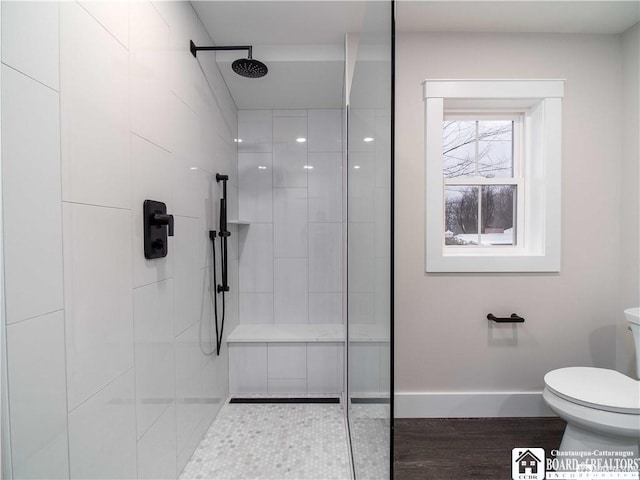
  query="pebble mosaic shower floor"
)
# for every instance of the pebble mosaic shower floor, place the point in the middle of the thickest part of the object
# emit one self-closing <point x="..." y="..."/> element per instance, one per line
<point x="273" y="442"/>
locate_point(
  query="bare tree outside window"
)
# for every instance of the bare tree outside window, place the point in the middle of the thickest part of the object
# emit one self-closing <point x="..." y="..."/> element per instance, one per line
<point x="478" y="214"/>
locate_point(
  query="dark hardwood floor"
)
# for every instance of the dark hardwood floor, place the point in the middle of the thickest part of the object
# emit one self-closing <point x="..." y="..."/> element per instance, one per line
<point x="467" y="448"/>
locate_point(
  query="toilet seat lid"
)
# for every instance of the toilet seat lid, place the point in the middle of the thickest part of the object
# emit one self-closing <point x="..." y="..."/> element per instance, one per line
<point x="598" y="388"/>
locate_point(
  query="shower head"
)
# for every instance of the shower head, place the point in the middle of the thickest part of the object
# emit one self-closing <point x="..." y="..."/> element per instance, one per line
<point x="250" y="68"/>
<point x="246" y="67"/>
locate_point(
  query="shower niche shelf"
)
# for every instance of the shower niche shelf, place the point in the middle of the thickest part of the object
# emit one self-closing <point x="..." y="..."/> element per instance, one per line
<point x="235" y="221"/>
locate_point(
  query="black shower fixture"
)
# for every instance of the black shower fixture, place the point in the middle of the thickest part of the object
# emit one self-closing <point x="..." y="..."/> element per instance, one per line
<point x="246" y="67"/>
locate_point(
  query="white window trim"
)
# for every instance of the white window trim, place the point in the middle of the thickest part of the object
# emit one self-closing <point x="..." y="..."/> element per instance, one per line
<point x="541" y="102"/>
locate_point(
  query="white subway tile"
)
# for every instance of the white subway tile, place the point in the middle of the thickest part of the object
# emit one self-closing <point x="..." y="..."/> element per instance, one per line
<point x="32" y="207"/>
<point x="325" y="130"/>
<point x="151" y="180"/>
<point x="248" y="368"/>
<point x="291" y="292"/>
<point x="290" y="152"/>
<point x="325" y="187"/>
<point x="290" y="222"/>
<point x="255" y="193"/>
<point x="255" y="244"/>
<point x="154" y="352"/>
<point x="30" y="40"/>
<point x="94" y="111"/>
<point x="36" y="371"/>
<point x="325" y="257"/>
<point x="98" y="296"/>
<point x="157" y="448"/>
<point x="102" y="433"/>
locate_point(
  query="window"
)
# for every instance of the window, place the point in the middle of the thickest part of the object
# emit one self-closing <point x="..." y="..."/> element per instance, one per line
<point x="493" y="175"/>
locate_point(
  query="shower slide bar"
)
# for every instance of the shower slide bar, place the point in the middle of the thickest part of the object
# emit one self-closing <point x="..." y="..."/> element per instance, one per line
<point x="514" y="318"/>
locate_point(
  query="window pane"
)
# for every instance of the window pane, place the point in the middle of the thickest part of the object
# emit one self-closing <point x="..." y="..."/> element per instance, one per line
<point x="495" y="148"/>
<point x="498" y="216"/>
<point x="461" y="215"/>
<point x="459" y="149"/>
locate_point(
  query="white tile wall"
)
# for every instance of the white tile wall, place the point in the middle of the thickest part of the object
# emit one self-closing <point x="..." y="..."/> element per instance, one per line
<point x="94" y="112"/>
<point x="188" y="287"/>
<point x="256" y="307"/>
<point x="31" y="190"/>
<point x="133" y="116"/>
<point x="151" y="180"/>
<point x="325" y="307"/>
<point x="255" y="174"/>
<point x="291" y="291"/>
<point x="113" y="16"/>
<point x="255" y="129"/>
<point x="361" y="187"/>
<point x="286" y="361"/>
<point x="157" y="448"/>
<point x="325" y="130"/>
<point x="291" y="253"/>
<point x="36" y="371"/>
<point x="361" y="267"/>
<point x="290" y="222"/>
<point x="324" y="367"/>
<point x="325" y="257"/>
<point x="98" y="297"/>
<point x="325" y="187"/>
<point x="248" y="368"/>
<point x="154" y="351"/>
<point x="189" y="362"/>
<point x="255" y="244"/>
<point x="102" y="433"/>
<point x="149" y="68"/>
<point x="289" y="155"/>
<point x="30" y="40"/>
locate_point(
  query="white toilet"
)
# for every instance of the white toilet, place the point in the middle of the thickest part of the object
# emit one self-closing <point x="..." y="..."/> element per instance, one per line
<point x="601" y="407"/>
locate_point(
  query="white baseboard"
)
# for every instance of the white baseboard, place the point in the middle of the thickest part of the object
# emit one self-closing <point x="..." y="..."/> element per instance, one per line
<point x="470" y="404"/>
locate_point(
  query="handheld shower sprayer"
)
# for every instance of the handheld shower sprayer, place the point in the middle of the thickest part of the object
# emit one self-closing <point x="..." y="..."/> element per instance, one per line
<point x="223" y="233"/>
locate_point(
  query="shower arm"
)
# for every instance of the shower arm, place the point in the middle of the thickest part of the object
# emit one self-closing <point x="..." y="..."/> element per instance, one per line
<point x="194" y="49"/>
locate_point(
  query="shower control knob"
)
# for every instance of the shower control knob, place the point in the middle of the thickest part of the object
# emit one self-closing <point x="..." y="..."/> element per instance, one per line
<point x="157" y="244"/>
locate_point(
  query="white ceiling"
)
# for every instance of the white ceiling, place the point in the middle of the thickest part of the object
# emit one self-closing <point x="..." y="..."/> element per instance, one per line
<point x="302" y="42"/>
<point x="521" y="16"/>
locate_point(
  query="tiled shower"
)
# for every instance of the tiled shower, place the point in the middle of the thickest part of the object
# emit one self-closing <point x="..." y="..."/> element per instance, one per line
<point x="290" y="198"/>
<point x="108" y="368"/>
<point x="103" y="107"/>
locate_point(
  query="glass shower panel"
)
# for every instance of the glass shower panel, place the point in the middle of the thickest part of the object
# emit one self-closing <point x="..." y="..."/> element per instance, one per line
<point x="369" y="162"/>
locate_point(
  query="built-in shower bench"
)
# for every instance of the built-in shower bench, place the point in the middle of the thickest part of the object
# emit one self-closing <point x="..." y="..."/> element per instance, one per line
<point x="302" y="358"/>
<point x="287" y="333"/>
